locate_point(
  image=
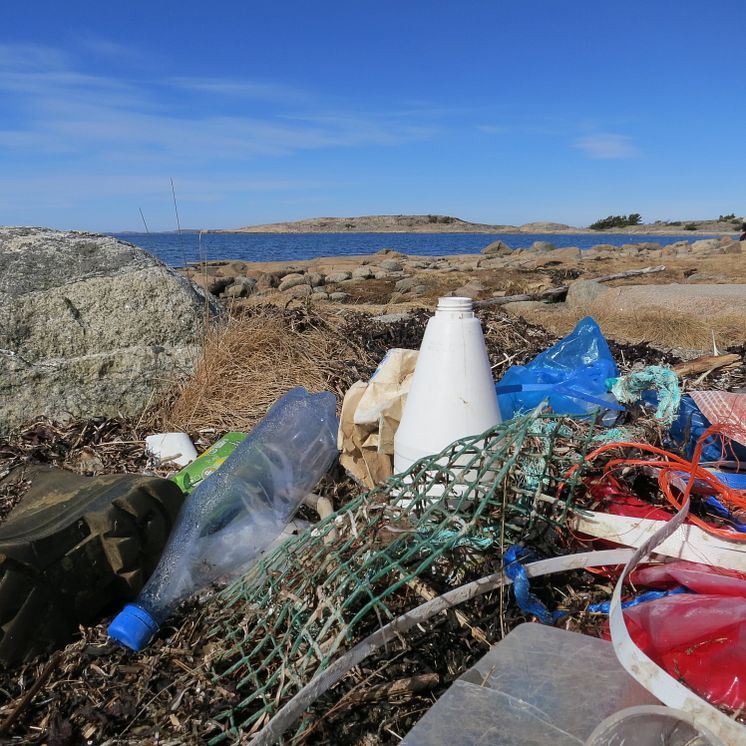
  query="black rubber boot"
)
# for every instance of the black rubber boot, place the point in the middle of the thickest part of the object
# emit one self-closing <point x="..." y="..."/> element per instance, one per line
<point x="74" y="549"/>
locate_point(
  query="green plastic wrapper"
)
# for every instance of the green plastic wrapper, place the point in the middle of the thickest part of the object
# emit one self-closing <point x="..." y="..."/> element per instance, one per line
<point x="190" y="476"/>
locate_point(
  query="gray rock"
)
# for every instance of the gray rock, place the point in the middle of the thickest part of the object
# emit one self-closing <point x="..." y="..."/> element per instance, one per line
<point x="289" y="270"/>
<point x="300" y="291"/>
<point x="581" y="293"/>
<point x="241" y="288"/>
<point x="362" y="273"/>
<point x="497" y="248"/>
<point x="542" y="246"/>
<point x="707" y="277"/>
<point x="382" y="274"/>
<point x="706" y="245"/>
<point x="319" y="290"/>
<point x="392" y="265"/>
<point x="571" y="253"/>
<point x="319" y="294"/>
<point x="215" y="285"/>
<point x="293" y="280"/>
<point x="472" y="289"/>
<point x="734" y="247"/>
<point x="405" y="284"/>
<point x="338" y="276"/>
<point x="316" y="279"/>
<point x="390" y="252"/>
<point x="92" y="326"/>
<point x="264" y="280"/>
<point x="339" y="296"/>
<point x="676" y="249"/>
<point x="419" y="290"/>
<point x="419" y="264"/>
<point x="392" y="318"/>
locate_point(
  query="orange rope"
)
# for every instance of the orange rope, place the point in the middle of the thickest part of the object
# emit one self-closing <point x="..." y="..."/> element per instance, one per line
<point x="668" y="467"/>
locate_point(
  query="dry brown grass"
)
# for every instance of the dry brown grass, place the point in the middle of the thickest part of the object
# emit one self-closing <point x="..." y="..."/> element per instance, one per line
<point x="648" y="324"/>
<point x="254" y="357"/>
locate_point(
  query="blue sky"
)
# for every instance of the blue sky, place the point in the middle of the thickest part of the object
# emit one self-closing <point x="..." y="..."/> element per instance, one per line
<point x="265" y="111"/>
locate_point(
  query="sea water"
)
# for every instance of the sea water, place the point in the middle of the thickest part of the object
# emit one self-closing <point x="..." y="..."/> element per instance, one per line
<point x="178" y="249"/>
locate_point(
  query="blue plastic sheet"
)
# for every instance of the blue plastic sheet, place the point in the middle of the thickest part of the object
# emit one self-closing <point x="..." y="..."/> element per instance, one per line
<point x="571" y="374"/>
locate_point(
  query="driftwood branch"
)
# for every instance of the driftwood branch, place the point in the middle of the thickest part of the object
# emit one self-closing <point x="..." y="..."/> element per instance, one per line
<point x="706" y="364"/>
<point x="553" y="294"/>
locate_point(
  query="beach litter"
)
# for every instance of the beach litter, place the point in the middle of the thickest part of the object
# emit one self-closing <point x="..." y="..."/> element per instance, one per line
<point x="207" y="463"/>
<point x="370" y="416"/>
<point x="234" y="515"/>
<point x="353" y="627"/>
<point x="171" y="448"/>
<point x="73" y="548"/>
<point x="571" y="375"/>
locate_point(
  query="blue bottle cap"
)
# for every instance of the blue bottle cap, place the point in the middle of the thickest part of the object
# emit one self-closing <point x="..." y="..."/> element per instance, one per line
<point x="133" y="627"/>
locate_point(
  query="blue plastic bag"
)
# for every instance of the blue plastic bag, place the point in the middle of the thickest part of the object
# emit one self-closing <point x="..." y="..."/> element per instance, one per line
<point x="689" y="426"/>
<point x="571" y="375"/>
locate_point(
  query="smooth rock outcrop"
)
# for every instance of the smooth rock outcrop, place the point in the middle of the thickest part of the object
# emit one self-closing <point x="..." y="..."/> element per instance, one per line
<point x="90" y="325"/>
<point x="705" y="301"/>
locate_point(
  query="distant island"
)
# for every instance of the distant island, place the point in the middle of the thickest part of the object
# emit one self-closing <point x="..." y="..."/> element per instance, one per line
<point x="449" y="224"/>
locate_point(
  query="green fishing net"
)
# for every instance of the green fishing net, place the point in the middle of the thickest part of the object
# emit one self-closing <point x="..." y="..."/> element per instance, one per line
<point x="450" y="515"/>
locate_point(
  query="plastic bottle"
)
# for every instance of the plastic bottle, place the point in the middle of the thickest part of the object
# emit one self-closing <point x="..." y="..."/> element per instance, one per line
<point x="237" y="512"/>
<point x="452" y="394"/>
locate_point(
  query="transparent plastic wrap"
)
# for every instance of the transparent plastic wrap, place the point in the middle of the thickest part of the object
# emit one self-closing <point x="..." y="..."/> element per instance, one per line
<point x="233" y="516"/>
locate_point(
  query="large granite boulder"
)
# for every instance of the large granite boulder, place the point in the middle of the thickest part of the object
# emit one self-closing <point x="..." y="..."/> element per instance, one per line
<point x="90" y="325"/>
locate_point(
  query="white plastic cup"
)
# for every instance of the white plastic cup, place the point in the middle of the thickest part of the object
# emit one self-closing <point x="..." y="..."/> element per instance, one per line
<point x="452" y="394"/>
<point x="176" y="448"/>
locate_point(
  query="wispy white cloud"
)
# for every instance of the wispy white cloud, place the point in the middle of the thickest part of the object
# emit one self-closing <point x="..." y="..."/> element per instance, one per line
<point x="607" y="146"/>
<point x="250" y="89"/>
<point x="492" y="129"/>
<point x="68" y="110"/>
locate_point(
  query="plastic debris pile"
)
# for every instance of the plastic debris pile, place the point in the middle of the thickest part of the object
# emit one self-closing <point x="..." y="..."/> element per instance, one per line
<point x="289" y="617"/>
<point x="660" y="478"/>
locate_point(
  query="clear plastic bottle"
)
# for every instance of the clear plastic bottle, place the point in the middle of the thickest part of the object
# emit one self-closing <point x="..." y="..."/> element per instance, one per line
<point x="234" y="515"/>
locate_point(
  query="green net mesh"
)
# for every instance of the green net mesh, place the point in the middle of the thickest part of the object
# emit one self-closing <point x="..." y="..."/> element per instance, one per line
<point x="449" y="515"/>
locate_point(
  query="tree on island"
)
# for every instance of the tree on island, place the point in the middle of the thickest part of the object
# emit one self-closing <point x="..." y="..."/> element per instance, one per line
<point x="617" y="221"/>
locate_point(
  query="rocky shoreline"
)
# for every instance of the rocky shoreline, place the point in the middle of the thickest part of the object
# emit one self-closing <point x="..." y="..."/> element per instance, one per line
<point x="399" y="277"/>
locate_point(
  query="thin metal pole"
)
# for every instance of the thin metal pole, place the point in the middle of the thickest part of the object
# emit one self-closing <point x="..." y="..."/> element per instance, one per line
<point x="178" y="224"/>
<point x="143" y="220"/>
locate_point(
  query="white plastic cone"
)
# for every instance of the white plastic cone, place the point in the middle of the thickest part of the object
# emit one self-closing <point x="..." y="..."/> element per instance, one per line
<point x="452" y="394"/>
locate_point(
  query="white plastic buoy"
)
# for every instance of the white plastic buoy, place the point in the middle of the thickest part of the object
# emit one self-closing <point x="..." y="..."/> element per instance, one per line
<point x="452" y="394"/>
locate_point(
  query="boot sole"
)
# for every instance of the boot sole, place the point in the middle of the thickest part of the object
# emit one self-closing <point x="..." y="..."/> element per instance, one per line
<point x="76" y="550"/>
